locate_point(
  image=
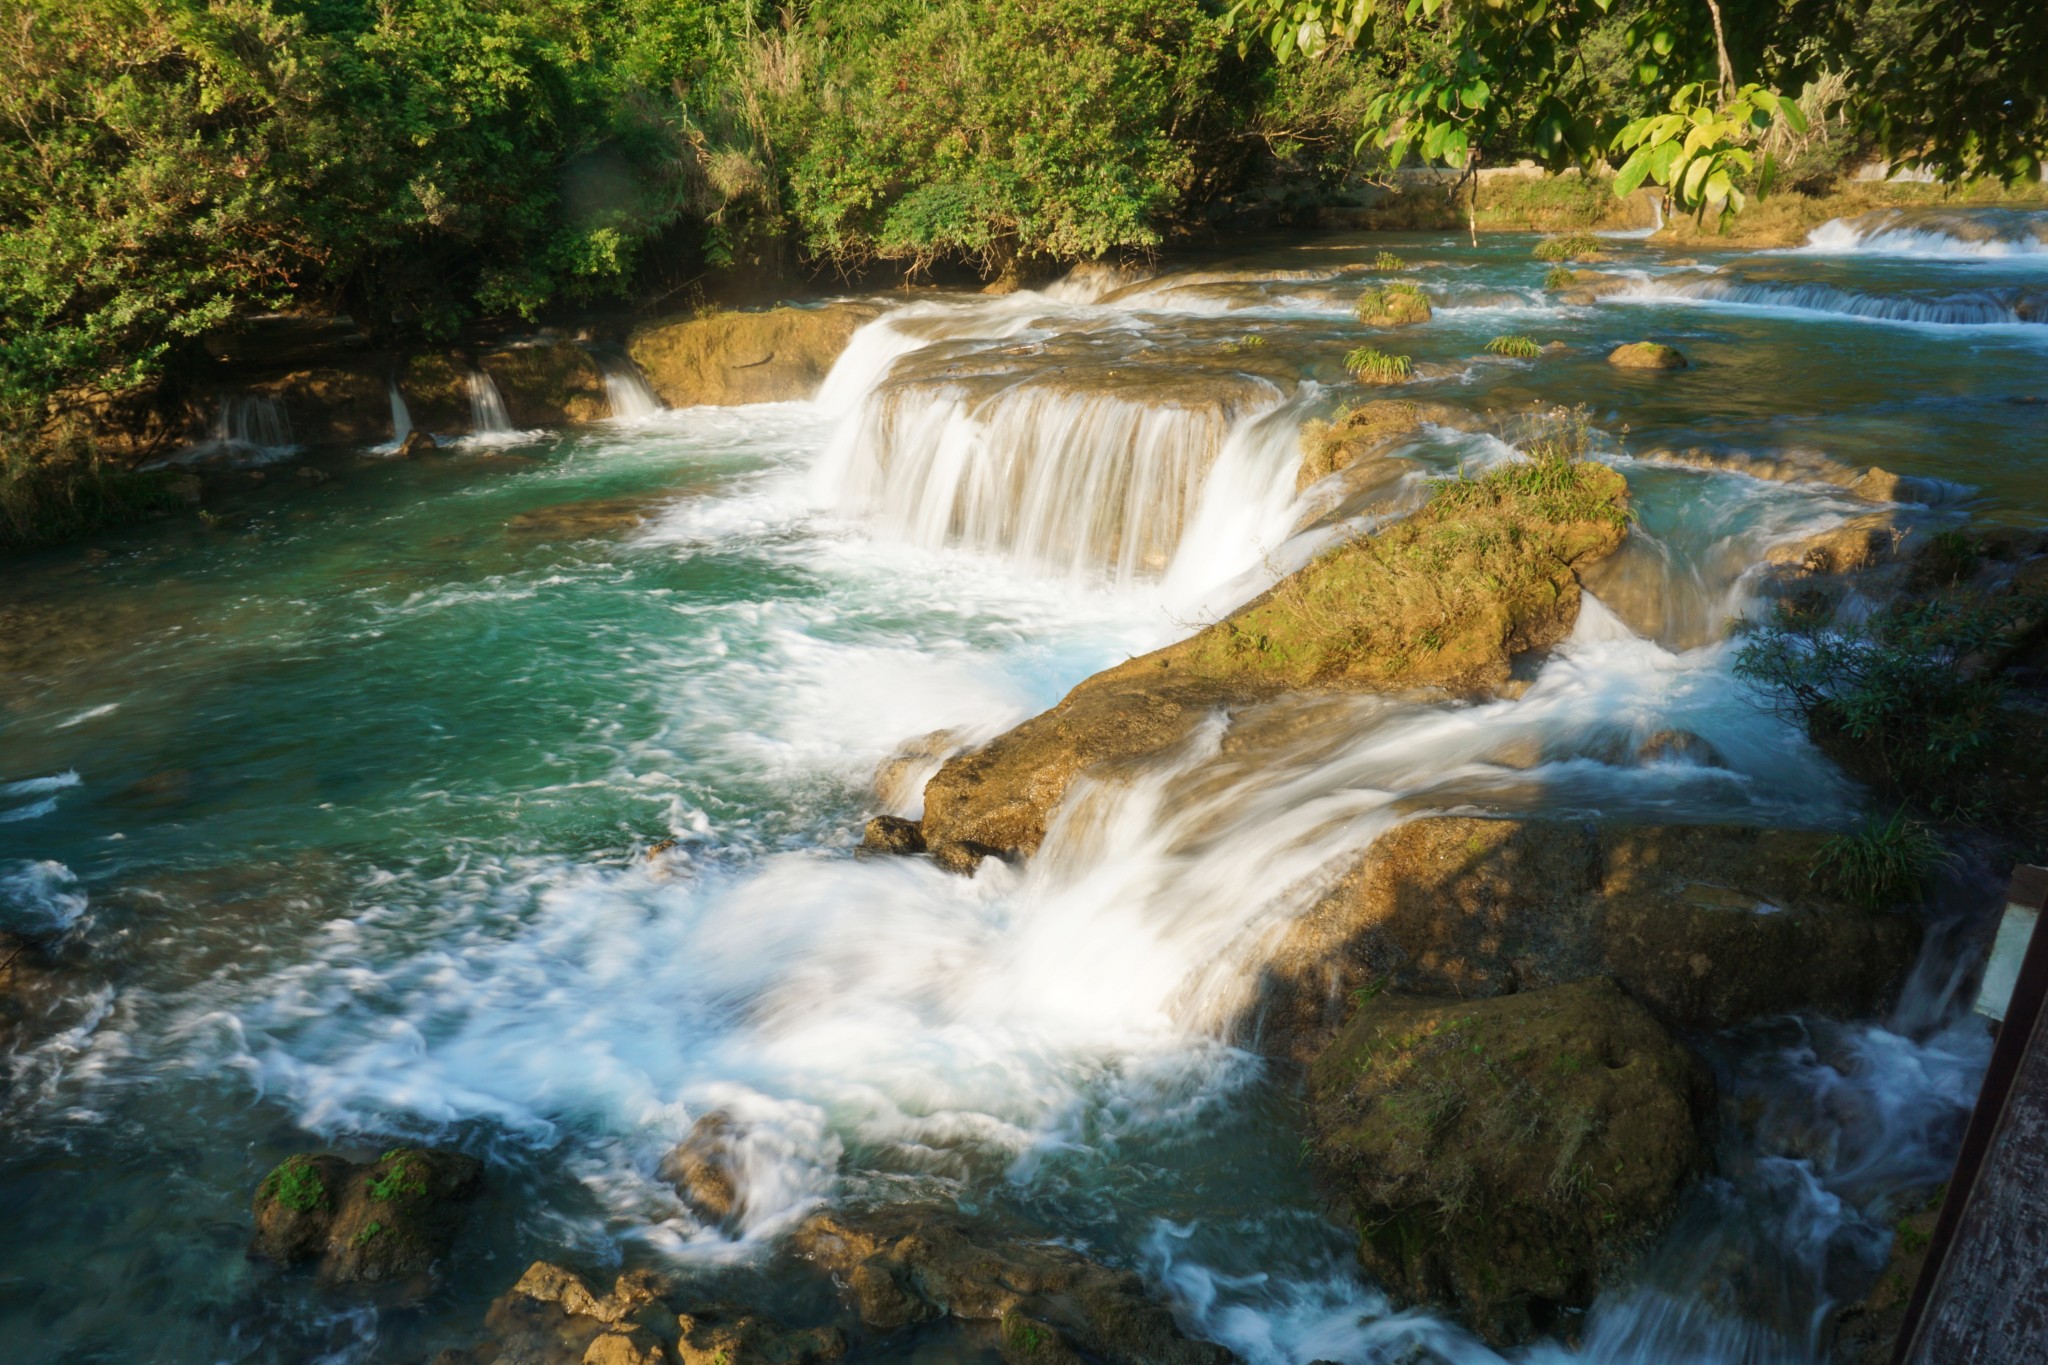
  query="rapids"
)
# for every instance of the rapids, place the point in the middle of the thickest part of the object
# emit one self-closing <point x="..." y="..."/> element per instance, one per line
<point x="340" y="806"/>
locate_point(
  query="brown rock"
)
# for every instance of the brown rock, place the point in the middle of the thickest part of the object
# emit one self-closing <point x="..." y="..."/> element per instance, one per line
<point x="586" y="520"/>
<point x="715" y="1337"/>
<point x="1709" y="925"/>
<point x="553" y="1317"/>
<point x="703" y="1168"/>
<point x="730" y="358"/>
<point x="32" y="989"/>
<point x="892" y="834"/>
<point x="1506" y="1156"/>
<point x="900" y="778"/>
<point x="548" y="384"/>
<point x="389" y="1219"/>
<point x="1647" y="355"/>
<point x="913" y="1263"/>
<point x="1856" y="546"/>
<point x="416" y="444"/>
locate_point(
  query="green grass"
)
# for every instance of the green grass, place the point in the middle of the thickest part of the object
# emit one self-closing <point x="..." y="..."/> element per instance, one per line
<point x="1516" y="347"/>
<point x="1560" y="277"/>
<point x="1884" y="863"/>
<point x="1373" y="366"/>
<point x="1393" y="305"/>
<point x="1570" y="247"/>
<point x="296" y="1184"/>
<point x="1387" y="260"/>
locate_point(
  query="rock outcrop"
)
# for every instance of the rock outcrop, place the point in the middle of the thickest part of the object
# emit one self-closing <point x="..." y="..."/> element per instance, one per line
<point x="1392" y="305"/>
<point x="1506" y="1156"/>
<point x="904" y="1264"/>
<point x="1442" y="600"/>
<point x="388" y="1219"/>
<point x="704" y="1170"/>
<point x="554" y="1317"/>
<point x="728" y="358"/>
<point x="547" y="384"/>
<point x="1647" y="355"/>
<point x="1708" y="925"/>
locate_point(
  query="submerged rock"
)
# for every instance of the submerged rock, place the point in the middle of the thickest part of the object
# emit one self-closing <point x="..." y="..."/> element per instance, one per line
<point x="1647" y="355"/>
<point x="1443" y="600"/>
<point x="1582" y="288"/>
<point x="32" y="989"/>
<point x="1709" y="925"/>
<point x="904" y="1264"/>
<point x="1506" y="1156"/>
<point x="728" y="358"/>
<point x="585" y="520"/>
<point x="388" y="1219"/>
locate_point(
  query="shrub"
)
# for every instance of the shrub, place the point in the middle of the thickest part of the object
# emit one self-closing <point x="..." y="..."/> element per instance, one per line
<point x="1517" y="347"/>
<point x="1880" y="864"/>
<point x="1904" y="699"/>
<point x="1373" y="366"/>
<point x="1560" y="277"/>
<point x="1571" y="247"/>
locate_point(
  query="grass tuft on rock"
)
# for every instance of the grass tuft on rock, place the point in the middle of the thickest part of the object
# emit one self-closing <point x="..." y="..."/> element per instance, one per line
<point x="1560" y="277"/>
<point x="1387" y="260"/>
<point x="1515" y="347"/>
<point x="1575" y="246"/>
<point x="1370" y="365"/>
<point x="1444" y="597"/>
<point x="1393" y="305"/>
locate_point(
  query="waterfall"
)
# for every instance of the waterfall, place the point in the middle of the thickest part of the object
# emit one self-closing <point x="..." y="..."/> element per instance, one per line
<point x="1044" y="466"/>
<point x="255" y="423"/>
<point x="1936" y="234"/>
<point x="1972" y="308"/>
<point x="401" y="417"/>
<point x="626" y="387"/>
<point x="487" y="413"/>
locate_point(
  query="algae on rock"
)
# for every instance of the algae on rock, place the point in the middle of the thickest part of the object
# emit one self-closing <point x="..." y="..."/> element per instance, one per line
<point x="729" y="358"/>
<point x="1506" y="1156"/>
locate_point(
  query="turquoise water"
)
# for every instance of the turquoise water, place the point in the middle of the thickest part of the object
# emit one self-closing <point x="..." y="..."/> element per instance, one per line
<point x="340" y="811"/>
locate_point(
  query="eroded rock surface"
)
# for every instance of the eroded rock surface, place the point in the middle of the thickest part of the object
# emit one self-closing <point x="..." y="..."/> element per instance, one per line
<point x="388" y="1219"/>
<point x="728" y="358"/>
<point x="1646" y="355"/>
<point x="1709" y="925"/>
<point x="903" y="1264"/>
<point x="1507" y="1156"/>
<point x="548" y="384"/>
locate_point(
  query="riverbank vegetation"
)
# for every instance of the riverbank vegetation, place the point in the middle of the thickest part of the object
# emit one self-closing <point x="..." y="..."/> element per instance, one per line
<point x="171" y="168"/>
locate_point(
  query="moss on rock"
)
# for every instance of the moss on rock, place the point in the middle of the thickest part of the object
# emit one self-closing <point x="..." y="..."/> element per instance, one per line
<point x="1444" y="599"/>
<point x="1393" y="305"/>
<point x="547" y="385"/>
<point x="1647" y="355"/>
<point x="1506" y="1156"/>
<point x="389" y="1219"/>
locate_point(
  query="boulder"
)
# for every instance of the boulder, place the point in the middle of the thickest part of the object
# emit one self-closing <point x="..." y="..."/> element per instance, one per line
<point x="547" y="384"/>
<point x="704" y="1170"/>
<point x="892" y="834"/>
<point x="1363" y="433"/>
<point x="1442" y="600"/>
<point x="904" y="1264"/>
<point x="553" y="1317"/>
<point x="388" y="1219"/>
<point x="719" y="1337"/>
<point x="1506" y="1157"/>
<point x="1647" y="355"/>
<point x="729" y="358"/>
<point x="416" y="444"/>
<point x="1708" y="925"/>
<point x="1855" y="546"/>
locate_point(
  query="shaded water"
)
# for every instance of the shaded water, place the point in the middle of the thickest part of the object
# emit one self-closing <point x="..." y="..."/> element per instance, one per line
<point x="342" y="807"/>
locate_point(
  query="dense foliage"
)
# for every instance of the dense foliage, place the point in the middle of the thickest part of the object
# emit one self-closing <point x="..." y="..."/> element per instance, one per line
<point x="168" y="167"/>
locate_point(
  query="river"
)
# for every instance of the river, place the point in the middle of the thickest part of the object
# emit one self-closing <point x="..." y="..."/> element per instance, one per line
<point x="341" y="806"/>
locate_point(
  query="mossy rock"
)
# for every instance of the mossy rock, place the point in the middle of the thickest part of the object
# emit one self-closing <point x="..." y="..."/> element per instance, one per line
<point x="729" y="358"/>
<point x="389" y="1219"/>
<point x="1647" y="355"/>
<point x="547" y="385"/>
<point x="435" y="385"/>
<point x="1393" y="305"/>
<point x="1708" y="925"/>
<point x="1506" y="1157"/>
<point x="1443" y="600"/>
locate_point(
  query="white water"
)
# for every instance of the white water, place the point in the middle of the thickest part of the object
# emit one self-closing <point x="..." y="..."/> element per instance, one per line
<point x="626" y="387"/>
<point x="487" y="412"/>
<point x="247" y="428"/>
<point x="1895" y="233"/>
<point x="1973" y="308"/>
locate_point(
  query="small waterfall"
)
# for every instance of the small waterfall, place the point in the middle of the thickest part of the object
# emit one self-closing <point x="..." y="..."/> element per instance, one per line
<point x="1077" y="479"/>
<point x="255" y="423"/>
<point x="401" y="417"/>
<point x="487" y="413"/>
<point x="1935" y="234"/>
<point x="626" y="387"/>
<point x="1974" y="308"/>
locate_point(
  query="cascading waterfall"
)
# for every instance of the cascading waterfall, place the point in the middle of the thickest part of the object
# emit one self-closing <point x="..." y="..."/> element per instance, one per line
<point x="488" y="415"/>
<point x="401" y="417"/>
<point x="247" y="428"/>
<point x="631" y="399"/>
<point x="1976" y="308"/>
<point x="1047" y="467"/>
<point x="2013" y="235"/>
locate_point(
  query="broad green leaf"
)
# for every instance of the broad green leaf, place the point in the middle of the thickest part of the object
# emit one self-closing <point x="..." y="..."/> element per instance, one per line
<point x="1454" y="148"/>
<point x="1663" y="160"/>
<point x="1473" y="96"/>
<point x="1660" y="42"/>
<point x="1630" y="177"/>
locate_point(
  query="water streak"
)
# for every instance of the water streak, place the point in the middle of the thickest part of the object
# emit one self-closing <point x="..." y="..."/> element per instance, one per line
<point x="631" y="399"/>
<point x="488" y="415"/>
